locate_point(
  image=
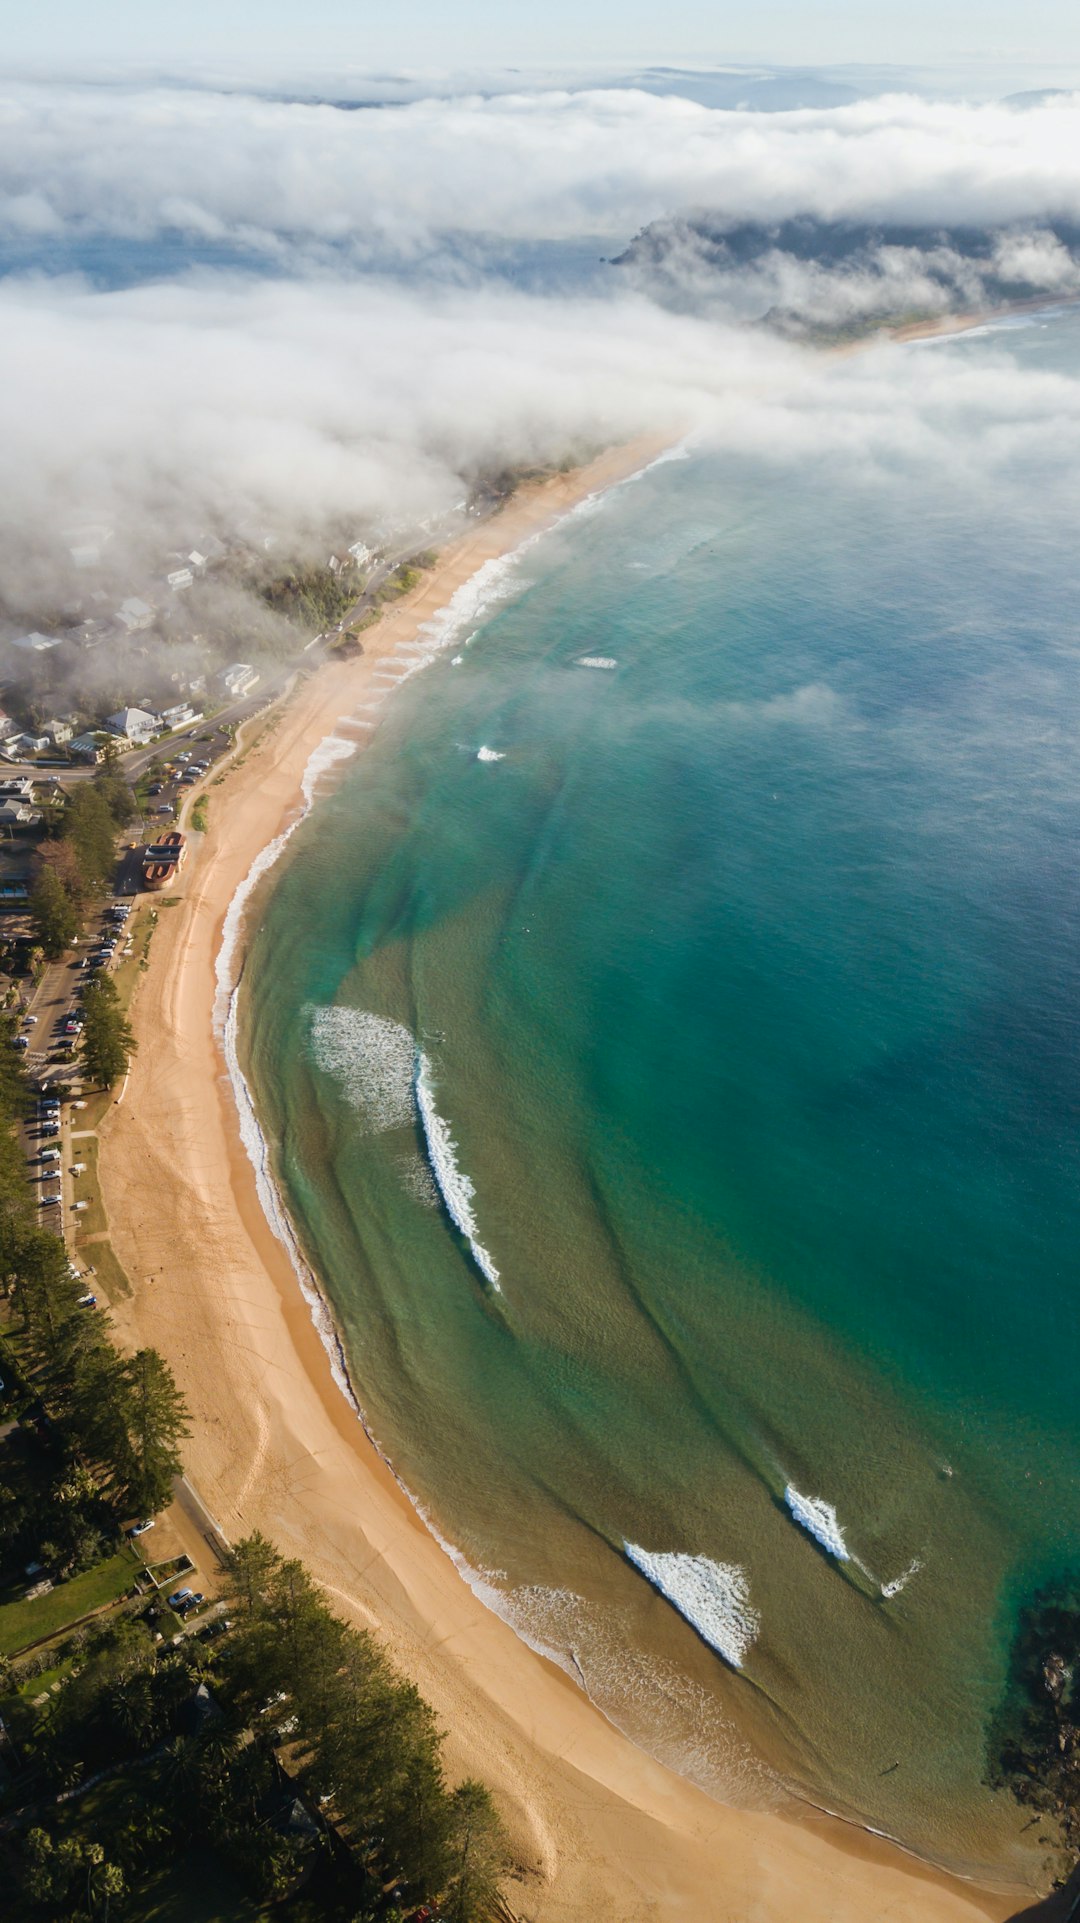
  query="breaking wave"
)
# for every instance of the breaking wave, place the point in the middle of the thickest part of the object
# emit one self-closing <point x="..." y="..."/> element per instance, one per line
<point x="714" y="1597"/>
<point x="489" y="754"/>
<point x="818" y="1518"/>
<point x="453" y="1184"/>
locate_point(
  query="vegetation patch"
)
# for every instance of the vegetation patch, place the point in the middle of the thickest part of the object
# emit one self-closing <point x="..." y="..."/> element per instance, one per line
<point x="23" y="1623"/>
<point x="109" y="1273"/>
<point x="198" y="814"/>
<point x="312" y="598"/>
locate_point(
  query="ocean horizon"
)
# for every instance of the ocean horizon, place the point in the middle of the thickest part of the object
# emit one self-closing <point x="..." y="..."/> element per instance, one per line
<point x="666" y="1031"/>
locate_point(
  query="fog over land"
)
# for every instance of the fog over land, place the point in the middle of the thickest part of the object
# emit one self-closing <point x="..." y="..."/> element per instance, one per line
<point x="230" y="314"/>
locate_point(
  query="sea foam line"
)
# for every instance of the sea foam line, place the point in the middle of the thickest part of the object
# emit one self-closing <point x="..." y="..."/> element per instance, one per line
<point x="714" y="1597"/>
<point x="453" y="1184"/>
<point x="818" y="1518"/>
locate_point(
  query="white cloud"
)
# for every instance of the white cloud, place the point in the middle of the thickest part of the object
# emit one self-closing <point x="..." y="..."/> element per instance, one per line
<point x="273" y="175"/>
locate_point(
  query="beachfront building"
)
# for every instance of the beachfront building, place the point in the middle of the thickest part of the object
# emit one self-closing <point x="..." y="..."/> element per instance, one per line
<point x="239" y="679"/>
<point x="88" y="747"/>
<point x="179" y="716"/>
<point x="136" y="725"/>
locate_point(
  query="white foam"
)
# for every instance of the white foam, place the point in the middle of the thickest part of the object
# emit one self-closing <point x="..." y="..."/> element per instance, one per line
<point x="417" y="1180"/>
<point x="597" y="661"/>
<point x="818" y="1518"/>
<point x="371" y="1058"/>
<point x="714" y="1597"/>
<point x="332" y="749"/>
<point x="453" y="1184"/>
<point x="893" y="1588"/>
<point x="490" y="754"/>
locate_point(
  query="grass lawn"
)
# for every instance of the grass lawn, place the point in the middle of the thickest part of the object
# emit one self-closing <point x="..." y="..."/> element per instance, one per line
<point x="27" y="1622"/>
<point x="90" y="1221"/>
<point x="108" y="1274"/>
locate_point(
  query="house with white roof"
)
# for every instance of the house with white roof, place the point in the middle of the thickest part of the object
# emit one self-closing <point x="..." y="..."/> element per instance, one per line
<point x="136" y="725"/>
<point x="179" y="716"/>
<point x="180" y="578"/>
<point x="239" y="679"/>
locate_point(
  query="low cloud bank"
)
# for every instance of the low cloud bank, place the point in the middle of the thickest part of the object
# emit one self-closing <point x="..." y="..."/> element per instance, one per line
<point x="282" y="179"/>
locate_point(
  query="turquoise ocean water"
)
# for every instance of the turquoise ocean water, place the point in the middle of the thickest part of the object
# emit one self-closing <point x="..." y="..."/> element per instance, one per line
<point x="681" y="1110"/>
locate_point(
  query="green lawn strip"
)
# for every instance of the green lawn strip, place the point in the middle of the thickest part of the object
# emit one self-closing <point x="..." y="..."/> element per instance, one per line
<point x="108" y="1273"/>
<point x="92" y="1220"/>
<point x="28" y="1622"/>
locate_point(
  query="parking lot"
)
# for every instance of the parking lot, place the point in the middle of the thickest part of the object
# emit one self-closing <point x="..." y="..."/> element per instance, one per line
<point x="176" y="771"/>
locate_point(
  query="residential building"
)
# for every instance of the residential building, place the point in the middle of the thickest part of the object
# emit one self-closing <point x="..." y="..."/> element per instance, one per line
<point x="29" y="744"/>
<point x="18" y="814"/>
<point x="180" y="578"/>
<point x="36" y="643"/>
<point x="134" y="614"/>
<point x="60" y="731"/>
<point x="179" y="716"/>
<point x="88" y="747"/>
<point x="136" y="725"/>
<point x="239" y="679"/>
<point x="16" y="787"/>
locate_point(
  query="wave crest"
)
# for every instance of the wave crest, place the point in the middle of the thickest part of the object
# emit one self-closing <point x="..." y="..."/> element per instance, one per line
<point x="453" y="1184"/>
<point x="714" y="1597"/>
<point x="818" y="1518"/>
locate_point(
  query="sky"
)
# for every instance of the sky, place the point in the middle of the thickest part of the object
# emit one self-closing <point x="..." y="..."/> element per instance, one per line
<point x="427" y="34"/>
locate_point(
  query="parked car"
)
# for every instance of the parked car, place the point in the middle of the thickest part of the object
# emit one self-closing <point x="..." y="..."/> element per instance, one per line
<point x="22" y="1041"/>
<point x="29" y="1020"/>
<point x="155" y="787"/>
<point x="190" y="1602"/>
<point x="178" y="1596"/>
<point x="88" y="1301"/>
<point x="140" y="1528"/>
<point x="211" y="1631"/>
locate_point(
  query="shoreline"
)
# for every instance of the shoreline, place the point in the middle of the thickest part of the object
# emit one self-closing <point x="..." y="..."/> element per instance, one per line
<point x="604" y="1827"/>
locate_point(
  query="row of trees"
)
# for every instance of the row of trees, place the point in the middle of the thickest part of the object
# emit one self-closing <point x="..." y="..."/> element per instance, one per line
<point x="76" y="861"/>
<point x="361" y="1736"/>
<point x="290" y="1750"/>
<point x="116" y="1422"/>
<point x="120" y="1419"/>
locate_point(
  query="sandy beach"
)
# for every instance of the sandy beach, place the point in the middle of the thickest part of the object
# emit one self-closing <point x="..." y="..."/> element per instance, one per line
<point x="602" y="1829"/>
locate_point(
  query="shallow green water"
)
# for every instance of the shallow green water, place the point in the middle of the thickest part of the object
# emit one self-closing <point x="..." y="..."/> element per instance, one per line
<point x="743" y="990"/>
